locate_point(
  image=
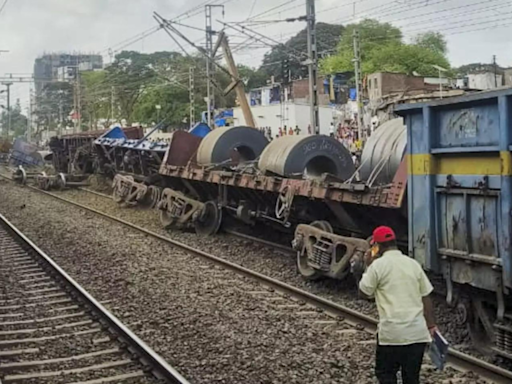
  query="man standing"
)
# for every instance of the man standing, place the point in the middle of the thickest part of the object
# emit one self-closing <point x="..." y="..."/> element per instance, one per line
<point x="406" y="317"/>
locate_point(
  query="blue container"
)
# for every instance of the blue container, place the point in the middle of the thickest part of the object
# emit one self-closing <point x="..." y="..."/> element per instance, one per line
<point x="459" y="187"/>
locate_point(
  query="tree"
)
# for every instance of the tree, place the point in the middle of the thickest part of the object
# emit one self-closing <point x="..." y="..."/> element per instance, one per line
<point x="252" y="78"/>
<point x="18" y="120"/>
<point x="382" y="49"/>
<point x="433" y="41"/>
<point x="295" y="50"/>
<point x="54" y="105"/>
<point x="96" y="98"/>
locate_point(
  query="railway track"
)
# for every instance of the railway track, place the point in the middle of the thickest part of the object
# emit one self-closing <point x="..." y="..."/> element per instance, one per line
<point x="458" y="360"/>
<point x="53" y="331"/>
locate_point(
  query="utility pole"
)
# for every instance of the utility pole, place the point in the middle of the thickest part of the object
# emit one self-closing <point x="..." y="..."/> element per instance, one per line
<point x="357" y="65"/>
<point x="237" y="84"/>
<point x="29" y="116"/>
<point x="112" y="105"/>
<point x="312" y="64"/>
<point x="79" y="99"/>
<point x="210" y="95"/>
<point x="192" y="96"/>
<point x="495" y="71"/>
<point x="8" y="85"/>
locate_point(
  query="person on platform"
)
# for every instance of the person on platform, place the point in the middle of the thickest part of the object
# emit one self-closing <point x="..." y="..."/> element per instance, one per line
<point x="290" y="131"/>
<point x="406" y="316"/>
<point x="297" y="130"/>
<point x="280" y="132"/>
<point x="285" y="130"/>
<point x="331" y="129"/>
<point x="309" y="129"/>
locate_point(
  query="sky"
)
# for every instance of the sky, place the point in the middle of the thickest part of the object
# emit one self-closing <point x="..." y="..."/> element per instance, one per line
<point x="475" y="29"/>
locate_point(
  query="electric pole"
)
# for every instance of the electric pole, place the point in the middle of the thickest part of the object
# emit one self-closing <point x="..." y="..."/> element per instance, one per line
<point x="312" y="64"/>
<point x="357" y="65"/>
<point x="192" y="96"/>
<point x="210" y="95"/>
<point x="8" y="85"/>
<point x="112" y="105"/>
<point x="79" y="99"/>
<point x="495" y="71"/>
<point x="237" y="84"/>
<point x="29" y="116"/>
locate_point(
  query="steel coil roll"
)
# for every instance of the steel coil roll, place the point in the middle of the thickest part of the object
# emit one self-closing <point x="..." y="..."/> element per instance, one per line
<point x="310" y="156"/>
<point x="383" y="152"/>
<point x="236" y="144"/>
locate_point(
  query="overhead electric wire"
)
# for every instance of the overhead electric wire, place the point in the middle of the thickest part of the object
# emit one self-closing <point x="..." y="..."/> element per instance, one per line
<point x="3" y="6"/>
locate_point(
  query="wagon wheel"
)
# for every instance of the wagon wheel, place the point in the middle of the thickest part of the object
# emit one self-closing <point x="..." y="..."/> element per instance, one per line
<point x="61" y="181"/>
<point x="152" y="196"/>
<point x="323" y="225"/>
<point x="208" y="223"/>
<point x="480" y="325"/>
<point x="304" y="269"/>
<point x="284" y="203"/>
<point x="44" y="181"/>
<point x="167" y="219"/>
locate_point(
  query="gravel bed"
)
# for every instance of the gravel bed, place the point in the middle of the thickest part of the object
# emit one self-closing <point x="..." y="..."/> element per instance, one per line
<point x="202" y="319"/>
<point x="266" y="261"/>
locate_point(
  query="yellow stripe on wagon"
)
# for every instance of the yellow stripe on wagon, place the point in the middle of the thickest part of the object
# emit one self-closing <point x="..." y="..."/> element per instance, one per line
<point x="461" y="164"/>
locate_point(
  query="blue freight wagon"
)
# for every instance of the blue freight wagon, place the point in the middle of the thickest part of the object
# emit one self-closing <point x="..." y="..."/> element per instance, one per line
<point x="460" y="205"/>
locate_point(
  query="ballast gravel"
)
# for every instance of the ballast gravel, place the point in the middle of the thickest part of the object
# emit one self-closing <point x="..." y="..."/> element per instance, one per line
<point x="212" y="325"/>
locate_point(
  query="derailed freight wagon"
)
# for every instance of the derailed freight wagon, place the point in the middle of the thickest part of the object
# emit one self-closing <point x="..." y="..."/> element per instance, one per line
<point x="460" y="204"/>
<point x="449" y="198"/>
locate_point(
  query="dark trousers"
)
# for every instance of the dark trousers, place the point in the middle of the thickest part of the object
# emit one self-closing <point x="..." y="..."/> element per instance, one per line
<point x="391" y="358"/>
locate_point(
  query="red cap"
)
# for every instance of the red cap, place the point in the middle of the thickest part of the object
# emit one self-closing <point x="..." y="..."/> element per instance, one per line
<point x="383" y="235"/>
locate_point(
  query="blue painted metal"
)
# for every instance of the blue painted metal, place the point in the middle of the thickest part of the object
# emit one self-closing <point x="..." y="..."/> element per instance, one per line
<point x="200" y="130"/>
<point x="114" y="133"/>
<point x="457" y="218"/>
<point x="26" y="154"/>
<point x="115" y="137"/>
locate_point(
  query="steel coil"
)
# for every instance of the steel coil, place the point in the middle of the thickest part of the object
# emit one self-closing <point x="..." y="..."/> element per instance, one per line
<point x="310" y="156"/>
<point x="383" y="152"/>
<point x="236" y="144"/>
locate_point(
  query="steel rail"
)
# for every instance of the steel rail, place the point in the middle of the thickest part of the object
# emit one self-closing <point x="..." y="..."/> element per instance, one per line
<point x="159" y="367"/>
<point x="458" y="360"/>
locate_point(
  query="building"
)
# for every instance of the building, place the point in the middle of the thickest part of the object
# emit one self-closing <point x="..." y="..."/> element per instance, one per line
<point x="484" y="81"/>
<point x="383" y="84"/>
<point x="289" y="113"/>
<point x="48" y="67"/>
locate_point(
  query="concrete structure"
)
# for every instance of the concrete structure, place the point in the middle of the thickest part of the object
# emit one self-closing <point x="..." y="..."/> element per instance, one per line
<point x="289" y="113"/>
<point x="382" y="84"/>
<point x="507" y="77"/>
<point x="47" y="66"/>
<point x="484" y="81"/>
<point x="300" y="91"/>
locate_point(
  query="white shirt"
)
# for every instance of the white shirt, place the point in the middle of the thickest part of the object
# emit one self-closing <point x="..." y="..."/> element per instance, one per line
<point x="398" y="283"/>
<point x="331" y="128"/>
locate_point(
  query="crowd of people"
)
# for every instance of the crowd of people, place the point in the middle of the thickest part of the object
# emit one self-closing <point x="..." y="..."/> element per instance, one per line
<point x="344" y="133"/>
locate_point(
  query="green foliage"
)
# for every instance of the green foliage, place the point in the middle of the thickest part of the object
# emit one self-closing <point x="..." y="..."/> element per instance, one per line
<point x="18" y="120"/>
<point x="433" y="41"/>
<point x="252" y="78"/>
<point x="54" y="105"/>
<point x="382" y="50"/>
<point x="328" y="36"/>
<point x="476" y="68"/>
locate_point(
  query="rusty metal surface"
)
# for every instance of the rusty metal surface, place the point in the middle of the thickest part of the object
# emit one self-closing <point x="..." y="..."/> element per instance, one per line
<point x="182" y="149"/>
<point x="130" y="132"/>
<point x="383" y="196"/>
